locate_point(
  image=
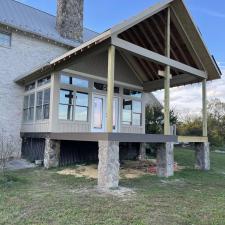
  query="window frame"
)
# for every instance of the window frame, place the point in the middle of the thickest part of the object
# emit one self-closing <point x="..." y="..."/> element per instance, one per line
<point x="28" y="108"/>
<point x="81" y="106"/>
<point x="9" y="34"/>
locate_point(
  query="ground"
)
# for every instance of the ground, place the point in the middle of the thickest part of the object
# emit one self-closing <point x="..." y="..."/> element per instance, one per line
<point x="37" y="196"/>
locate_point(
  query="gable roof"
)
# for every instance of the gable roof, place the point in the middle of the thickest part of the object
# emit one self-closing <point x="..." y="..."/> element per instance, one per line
<point x="190" y="31"/>
<point x="23" y="17"/>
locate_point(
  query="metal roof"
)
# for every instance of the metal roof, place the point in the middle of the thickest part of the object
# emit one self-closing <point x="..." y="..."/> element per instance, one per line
<point x="23" y="17"/>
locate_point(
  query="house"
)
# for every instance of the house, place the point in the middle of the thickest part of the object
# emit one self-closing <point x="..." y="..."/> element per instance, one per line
<point x="93" y="95"/>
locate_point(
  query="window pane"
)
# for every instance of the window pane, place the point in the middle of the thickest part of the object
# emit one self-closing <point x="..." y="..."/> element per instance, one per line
<point x="136" y="107"/>
<point x="132" y="93"/>
<point x="31" y="114"/>
<point x="30" y="86"/>
<point x="127" y="104"/>
<point x="81" y="113"/>
<point x="65" y="112"/>
<point x="44" y="80"/>
<point x="31" y="104"/>
<point x="80" y="82"/>
<point x="39" y="98"/>
<point x="47" y="96"/>
<point x="127" y="117"/>
<point x="46" y="111"/>
<point x="5" y="39"/>
<point x="103" y="87"/>
<point x="98" y="111"/>
<point x="26" y="102"/>
<point x="38" y="112"/>
<point x="25" y="114"/>
<point x="136" y="119"/>
<point x="65" y="79"/>
<point x="66" y="97"/>
<point x="81" y="99"/>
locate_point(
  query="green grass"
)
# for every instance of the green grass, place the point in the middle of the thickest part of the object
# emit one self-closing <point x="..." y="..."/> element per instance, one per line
<point x="37" y="196"/>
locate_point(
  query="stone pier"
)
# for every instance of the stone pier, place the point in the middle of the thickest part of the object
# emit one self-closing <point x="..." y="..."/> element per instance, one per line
<point x="202" y="156"/>
<point x="108" y="166"/>
<point x="52" y="153"/>
<point x="142" y="151"/>
<point x="165" y="160"/>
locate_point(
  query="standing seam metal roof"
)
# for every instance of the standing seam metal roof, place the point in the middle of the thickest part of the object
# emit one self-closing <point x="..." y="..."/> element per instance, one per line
<point x="26" y="18"/>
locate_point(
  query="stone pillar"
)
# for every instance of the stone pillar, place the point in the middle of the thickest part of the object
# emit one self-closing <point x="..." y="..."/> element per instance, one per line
<point x="142" y="151"/>
<point x="165" y="160"/>
<point x="108" y="166"/>
<point x="202" y="155"/>
<point x="52" y="153"/>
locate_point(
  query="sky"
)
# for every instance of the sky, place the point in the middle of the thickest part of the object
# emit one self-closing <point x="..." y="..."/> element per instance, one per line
<point x="209" y="16"/>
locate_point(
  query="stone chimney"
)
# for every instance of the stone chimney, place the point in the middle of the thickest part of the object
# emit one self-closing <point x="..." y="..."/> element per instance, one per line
<point x="69" y="20"/>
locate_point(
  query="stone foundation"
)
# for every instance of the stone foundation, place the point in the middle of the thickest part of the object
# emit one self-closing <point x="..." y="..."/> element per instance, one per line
<point x="165" y="160"/>
<point x="52" y="153"/>
<point x="142" y="151"/>
<point x="108" y="167"/>
<point x="202" y="156"/>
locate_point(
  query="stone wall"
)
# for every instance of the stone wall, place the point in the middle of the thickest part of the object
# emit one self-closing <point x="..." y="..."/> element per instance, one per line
<point x="24" y="54"/>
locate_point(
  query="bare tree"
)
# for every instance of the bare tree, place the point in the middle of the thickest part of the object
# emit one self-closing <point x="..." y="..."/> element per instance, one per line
<point x="8" y="149"/>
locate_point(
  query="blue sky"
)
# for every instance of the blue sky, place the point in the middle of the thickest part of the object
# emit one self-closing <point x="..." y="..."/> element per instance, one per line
<point x="209" y="16"/>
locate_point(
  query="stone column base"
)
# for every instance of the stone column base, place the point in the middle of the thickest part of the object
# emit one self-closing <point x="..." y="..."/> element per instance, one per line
<point x="52" y="152"/>
<point x="202" y="155"/>
<point x="165" y="160"/>
<point x="108" y="166"/>
<point x="142" y="151"/>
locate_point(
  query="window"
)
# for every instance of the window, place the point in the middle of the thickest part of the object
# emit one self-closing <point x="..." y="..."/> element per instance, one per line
<point x="74" y="81"/>
<point x="44" y="80"/>
<point x="103" y="87"/>
<point x="5" y="39"/>
<point x="66" y="105"/>
<point x="30" y="86"/>
<point x="132" y="93"/>
<point x="132" y="112"/>
<point x="28" y="108"/>
<point x="127" y="112"/>
<point x="81" y="108"/>
<point x="42" y="104"/>
<point x="136" y="113"/>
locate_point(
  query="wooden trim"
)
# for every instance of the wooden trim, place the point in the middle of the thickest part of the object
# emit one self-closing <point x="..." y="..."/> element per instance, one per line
<point x="192" y="139"/>
<point x="204" y="109"/>
<point x="155" y="57"/>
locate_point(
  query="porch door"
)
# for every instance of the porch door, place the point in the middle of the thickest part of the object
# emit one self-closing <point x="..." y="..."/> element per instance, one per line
<point x="99" y="114"/>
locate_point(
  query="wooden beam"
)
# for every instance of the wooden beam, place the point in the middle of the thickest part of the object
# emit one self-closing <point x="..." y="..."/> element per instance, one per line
<point x="155" y="57"/>
<point x="174" y="82"/>
<point x="192" y="139"/>
<point x="110" y="90"/>
<point x="204" y="109"/>
<point x="167" y="78"/>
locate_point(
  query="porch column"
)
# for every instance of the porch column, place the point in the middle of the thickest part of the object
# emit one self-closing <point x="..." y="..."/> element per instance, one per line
<point x="110" y="90"/>
<point x="108" y="166"/>
<point x="165" y="153"/>
<point x="202" y="151"/>
<point x="52" y="153"/>
<point x="142" y="151"/>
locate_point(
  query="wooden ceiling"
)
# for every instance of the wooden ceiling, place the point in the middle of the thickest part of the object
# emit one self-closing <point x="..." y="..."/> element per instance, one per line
<point x="150" y="34"/>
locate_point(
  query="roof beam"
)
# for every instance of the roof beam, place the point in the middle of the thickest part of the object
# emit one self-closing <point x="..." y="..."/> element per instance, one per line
<point x="174" y="82"/>
<point x="155" y="57"/>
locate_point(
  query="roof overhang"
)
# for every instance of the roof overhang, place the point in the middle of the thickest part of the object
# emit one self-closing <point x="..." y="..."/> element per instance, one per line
<point x="185" y="25"/>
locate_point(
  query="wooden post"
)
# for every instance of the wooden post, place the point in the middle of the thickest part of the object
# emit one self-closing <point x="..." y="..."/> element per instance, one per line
<point x="204" y="109"/>
<point x="110" y="90"/>
<point x="167" y="79"/>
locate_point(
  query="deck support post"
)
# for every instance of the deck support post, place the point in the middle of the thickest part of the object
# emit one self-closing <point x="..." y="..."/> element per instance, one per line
<point x="108" y="166"/>
<point x="202" y="152"/>
<point x="142" y="151"/>
<point x="202" y="156"/>
<point x="165" y="153"/>
<point x="110" y="89"/>
<point x="165" y="160"/>
<point x="52" y="153"/>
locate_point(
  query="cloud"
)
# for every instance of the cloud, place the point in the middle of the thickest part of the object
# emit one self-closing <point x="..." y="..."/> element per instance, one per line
<point x="211" y="13"/>
<point x="187" y="100"/>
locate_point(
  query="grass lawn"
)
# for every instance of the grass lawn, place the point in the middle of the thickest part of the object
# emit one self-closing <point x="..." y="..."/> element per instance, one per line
<point x="37" y="196"/>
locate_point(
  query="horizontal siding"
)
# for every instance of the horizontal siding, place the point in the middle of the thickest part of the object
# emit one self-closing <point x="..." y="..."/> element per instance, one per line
<point x="72" y="127"/>
<point x="35" y="127"/>
<point x="132" y="129"/>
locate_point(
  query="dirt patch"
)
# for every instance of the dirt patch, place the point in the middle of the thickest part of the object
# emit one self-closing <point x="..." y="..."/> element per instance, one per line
<point x="128" y="169"/>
